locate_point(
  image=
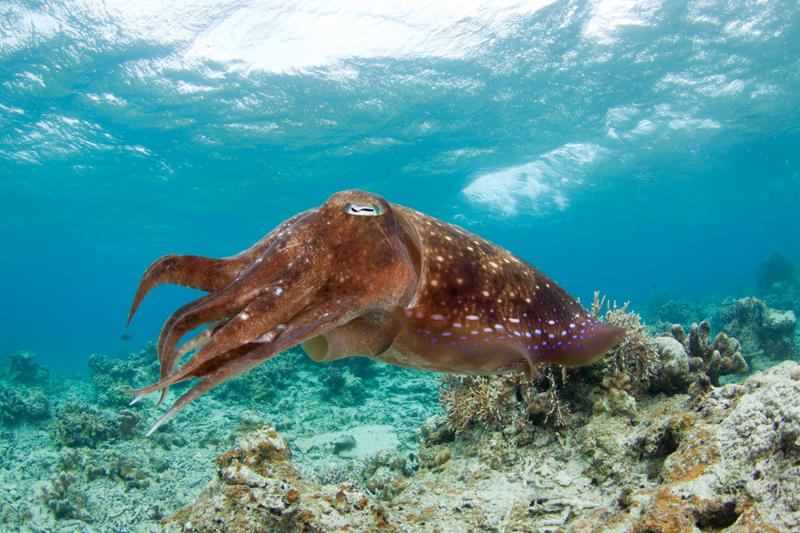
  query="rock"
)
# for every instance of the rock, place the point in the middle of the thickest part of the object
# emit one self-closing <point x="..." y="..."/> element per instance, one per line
<point x="442" y="457"/>
<point x="385" y="474"/>
<point x="343" y="444"/>
<point x="436" y="430"/>
<point x="673" y="375"/>
<point x="258" y="489"/>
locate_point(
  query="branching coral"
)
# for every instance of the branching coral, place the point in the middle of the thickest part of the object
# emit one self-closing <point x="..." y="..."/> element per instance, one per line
<point x="637" y="354"/>
<point x="718" y="358"/>
<point x="468" y="399"/>
<point x="500" y="400"/>
<point x="64" y="499"/>
<point x="546" y="403"/>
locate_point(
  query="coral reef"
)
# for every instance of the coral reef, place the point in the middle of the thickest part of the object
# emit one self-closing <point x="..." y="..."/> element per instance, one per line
<point x="78" y="424"/>
<point x="115" y="479"/>
<point x="18" y="406"/>
<point x="23" y="368"/>
<point x="723" y="459"/>
<point x="716" y="358"/>
<point x="642" y="440"/>
<point x="765" y="333"/>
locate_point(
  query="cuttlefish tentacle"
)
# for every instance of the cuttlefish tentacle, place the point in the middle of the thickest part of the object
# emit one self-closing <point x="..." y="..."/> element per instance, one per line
<point x="204" y="273"/>
<point x="249" y="284"/>
<point x="232" y="309"/>
<point x="360" y="276"/>
<point x="214" y="369"/>
<point x="208" y="381"/>
<point x="199" y="340"/>
<point x="277" y="304"/>
<point x="193" y="271"/>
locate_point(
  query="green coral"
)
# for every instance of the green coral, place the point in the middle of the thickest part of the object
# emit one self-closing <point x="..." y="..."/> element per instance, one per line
<point x="78" y="424"/>
<point x="63" y="498"/>
<point x="17" y="406"/>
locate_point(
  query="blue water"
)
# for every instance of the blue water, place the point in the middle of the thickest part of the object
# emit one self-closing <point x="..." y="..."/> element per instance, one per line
<point x="617" y="145"/>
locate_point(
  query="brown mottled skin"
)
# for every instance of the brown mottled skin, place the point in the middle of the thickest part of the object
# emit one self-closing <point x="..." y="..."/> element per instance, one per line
<point x="361" y="276"/>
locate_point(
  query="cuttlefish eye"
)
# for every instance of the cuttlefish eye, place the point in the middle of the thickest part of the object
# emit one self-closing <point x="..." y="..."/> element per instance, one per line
<point x="364" y="210"/>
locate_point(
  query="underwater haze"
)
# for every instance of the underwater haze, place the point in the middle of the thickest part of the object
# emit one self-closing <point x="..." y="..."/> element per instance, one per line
<point x="618" y="145"/>
<point x="639" y="151"/>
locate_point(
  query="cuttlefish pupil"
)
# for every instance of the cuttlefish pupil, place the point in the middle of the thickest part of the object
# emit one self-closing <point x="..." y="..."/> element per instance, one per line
<point x="371" y="210"/>
<point x="402" y="287"/>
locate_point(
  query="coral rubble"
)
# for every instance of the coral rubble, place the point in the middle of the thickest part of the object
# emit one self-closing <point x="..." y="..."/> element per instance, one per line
<point x="723" y="460"/>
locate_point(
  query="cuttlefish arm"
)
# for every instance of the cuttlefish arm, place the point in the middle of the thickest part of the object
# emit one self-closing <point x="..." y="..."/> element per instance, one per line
<point x="203" y="273"/>
<point x="326" y="269"/>
<point x="215" y="365"/>
<point x="360" y="276"/>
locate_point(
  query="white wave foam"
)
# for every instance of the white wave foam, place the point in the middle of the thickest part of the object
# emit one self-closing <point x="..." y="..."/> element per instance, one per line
<point x="536" y="187"/>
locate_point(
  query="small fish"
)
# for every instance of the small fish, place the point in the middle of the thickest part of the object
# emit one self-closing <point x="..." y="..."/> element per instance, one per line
<point x="124" y="337"/>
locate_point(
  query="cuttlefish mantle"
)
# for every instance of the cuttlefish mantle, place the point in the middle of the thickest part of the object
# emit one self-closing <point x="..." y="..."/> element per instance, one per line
<point x="359" y="276"/>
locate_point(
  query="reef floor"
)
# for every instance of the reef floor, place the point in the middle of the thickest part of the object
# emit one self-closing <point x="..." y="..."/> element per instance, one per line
<point x="725" y="460"/>
<point x="361" y="446"/>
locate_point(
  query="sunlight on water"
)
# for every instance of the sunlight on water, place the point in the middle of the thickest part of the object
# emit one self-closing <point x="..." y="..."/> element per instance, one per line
<point x="576" y="134"/>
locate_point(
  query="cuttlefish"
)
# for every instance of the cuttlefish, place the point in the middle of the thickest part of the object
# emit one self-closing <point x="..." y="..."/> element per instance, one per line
<point x="358" y="276"/>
